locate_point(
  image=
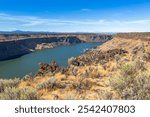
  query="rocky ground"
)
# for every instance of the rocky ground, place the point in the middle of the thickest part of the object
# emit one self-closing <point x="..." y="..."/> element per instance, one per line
<point x="119" y="69"/>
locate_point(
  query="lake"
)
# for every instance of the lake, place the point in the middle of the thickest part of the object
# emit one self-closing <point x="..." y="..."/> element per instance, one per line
<point x="26" y="64"/>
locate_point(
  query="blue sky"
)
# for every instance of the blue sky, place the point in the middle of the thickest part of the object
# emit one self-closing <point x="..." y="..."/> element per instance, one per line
<point x="75" y="15"/>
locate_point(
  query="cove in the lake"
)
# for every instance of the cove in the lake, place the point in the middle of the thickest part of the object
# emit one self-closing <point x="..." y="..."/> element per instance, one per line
<point x="26" y="64"/>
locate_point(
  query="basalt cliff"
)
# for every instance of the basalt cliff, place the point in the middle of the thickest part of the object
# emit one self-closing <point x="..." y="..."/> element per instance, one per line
<point x="13" y="45"/>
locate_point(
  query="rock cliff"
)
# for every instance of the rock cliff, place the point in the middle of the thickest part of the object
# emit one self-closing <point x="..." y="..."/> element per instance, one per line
<point x="12" y="46"/>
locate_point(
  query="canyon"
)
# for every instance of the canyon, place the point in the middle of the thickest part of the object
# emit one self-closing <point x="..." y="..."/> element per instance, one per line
<point x="119" y="69"/>
<point x="16" y="45"/>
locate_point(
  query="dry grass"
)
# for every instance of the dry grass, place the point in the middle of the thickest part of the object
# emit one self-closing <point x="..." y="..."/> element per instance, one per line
<point x="132" y="83"/>
<point x="8" y="83"/>
<point x="49" y="84"/>
<point x="18" y="94"/>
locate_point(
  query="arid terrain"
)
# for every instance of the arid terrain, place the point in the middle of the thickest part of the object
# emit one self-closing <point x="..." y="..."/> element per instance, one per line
<point x="118" y="69"/>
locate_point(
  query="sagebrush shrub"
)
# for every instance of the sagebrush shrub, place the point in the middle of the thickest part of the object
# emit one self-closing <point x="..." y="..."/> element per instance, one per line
<point x="82" y="84"/>
<point x="128" y="70"/>
<point x="132" y="83"/>
<point x="18" y="94"/>
<point x="49" y="84"/>
<point x="104" y="95"/>
<point x="8" y="83"/>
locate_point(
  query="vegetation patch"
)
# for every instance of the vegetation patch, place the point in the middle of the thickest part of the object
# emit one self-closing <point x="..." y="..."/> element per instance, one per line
<point x="49" y="84"/>
<point x="18" y="94"/>
<point x="8" y="83"/>
<point x="132" y="83"/>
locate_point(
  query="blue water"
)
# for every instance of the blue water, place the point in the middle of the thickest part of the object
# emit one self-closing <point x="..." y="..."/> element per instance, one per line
<point x="26" y="64"/>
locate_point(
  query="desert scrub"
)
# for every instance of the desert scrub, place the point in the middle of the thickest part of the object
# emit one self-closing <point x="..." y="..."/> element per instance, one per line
<point x="49" y="84"/>
<point x="104" y="95"/>
<point x="132" y="83"/>
<point x="8" y="83"/>
<point x="18" y="94"/>
<point x="28" y="94"/>
<point x="128" y="70"/>
<point x="27" y="77"/>
<point x="82" y="84"/>
<point x="70" y="96"/>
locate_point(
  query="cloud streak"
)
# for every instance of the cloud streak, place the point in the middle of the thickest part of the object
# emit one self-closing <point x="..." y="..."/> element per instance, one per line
<point x="101" y="25"/>
<point x="85" y="10"/>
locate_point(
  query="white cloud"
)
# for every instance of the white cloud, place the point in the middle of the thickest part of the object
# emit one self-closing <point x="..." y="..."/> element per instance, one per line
<point x="48" y="24"/>
<point x="139" y="22"/>
<point x="85" y="10"/>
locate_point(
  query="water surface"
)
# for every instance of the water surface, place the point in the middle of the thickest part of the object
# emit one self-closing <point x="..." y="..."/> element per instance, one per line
<point x="26" y="64"/>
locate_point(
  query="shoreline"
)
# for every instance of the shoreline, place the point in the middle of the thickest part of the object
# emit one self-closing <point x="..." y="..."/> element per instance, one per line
<point x="44" y="48"/>
<point x="46" y="58"/>
<point x="12" y="49"/>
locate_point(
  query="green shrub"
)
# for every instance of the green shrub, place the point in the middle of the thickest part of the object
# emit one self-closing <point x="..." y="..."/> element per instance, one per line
<point x="28" y="94"/>
<point x="8" y="83"/>
<point x="9" y="94"/>
<point x="131" y="83"/>
<point x="49" y="84"/>
<point x="18" y="94"/>
<point x="128" y="70"/>
<point x="82" y="84"/>
<point x="104" y="95"/>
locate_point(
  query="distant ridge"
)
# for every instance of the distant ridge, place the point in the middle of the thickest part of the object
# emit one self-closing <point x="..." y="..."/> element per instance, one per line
<point x="45" y="32"/>
<point x="24" y="32"/>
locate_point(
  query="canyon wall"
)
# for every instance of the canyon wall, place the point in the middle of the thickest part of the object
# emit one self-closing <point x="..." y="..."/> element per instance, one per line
<point x="12" y="46"/>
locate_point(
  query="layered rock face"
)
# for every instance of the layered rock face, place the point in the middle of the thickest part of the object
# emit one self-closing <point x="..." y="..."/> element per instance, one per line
<point x="12" y="46"/>
<point x="12" y="49"/>
<point x="83" y="36"/>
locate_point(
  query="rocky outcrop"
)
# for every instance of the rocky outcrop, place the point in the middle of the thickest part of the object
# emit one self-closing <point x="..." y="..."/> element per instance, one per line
<point x="96" y="57"/>
<point x="13" y="49"/>
<point x="12" y="46"/>
<point x="48" y="68"/>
